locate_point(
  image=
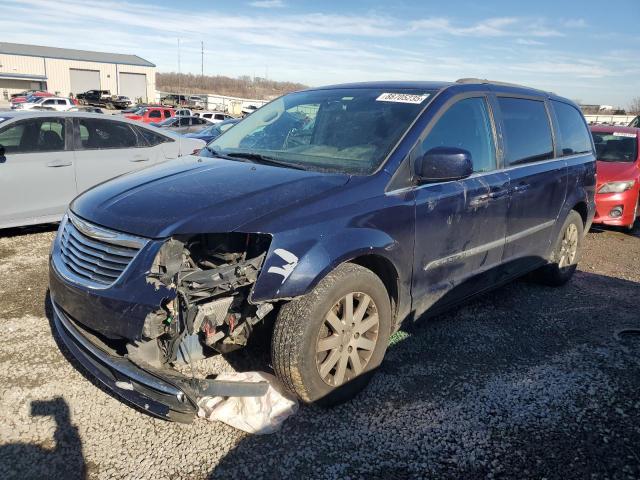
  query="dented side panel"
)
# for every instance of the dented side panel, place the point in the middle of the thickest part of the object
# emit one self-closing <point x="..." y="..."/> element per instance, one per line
<point x="460" y="232"/>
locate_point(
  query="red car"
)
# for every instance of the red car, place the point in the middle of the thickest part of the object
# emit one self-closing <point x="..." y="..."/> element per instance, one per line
<point x="151" y="114"/>
<point x="618" y="170"/>
<point x="22" y="97"/>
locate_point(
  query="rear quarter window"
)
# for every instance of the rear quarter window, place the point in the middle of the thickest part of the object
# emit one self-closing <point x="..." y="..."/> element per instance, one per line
<point x="527" y="131"/>
<point x="574" y="135"/>
<point x="152" y="138"/>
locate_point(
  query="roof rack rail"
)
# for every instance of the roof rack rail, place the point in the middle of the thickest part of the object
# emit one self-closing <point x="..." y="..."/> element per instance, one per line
<point x="492" y="82"/>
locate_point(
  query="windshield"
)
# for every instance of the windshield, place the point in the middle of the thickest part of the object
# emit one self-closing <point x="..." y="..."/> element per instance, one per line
<point x="343" y="130"/>
<point x="139" y="111"/>
<point x="615" y="147"/>
<point x="38" y="99"/>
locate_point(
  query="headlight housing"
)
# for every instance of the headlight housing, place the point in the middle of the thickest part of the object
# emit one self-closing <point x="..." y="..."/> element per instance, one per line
<point x="617" y="187"/>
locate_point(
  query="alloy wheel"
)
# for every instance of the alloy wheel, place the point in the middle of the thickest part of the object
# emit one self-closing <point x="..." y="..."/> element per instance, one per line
<point x="347" y="338"/>
<point x="568" y="246"/>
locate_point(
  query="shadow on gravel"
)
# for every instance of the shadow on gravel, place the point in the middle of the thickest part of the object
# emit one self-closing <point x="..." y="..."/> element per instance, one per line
<point x="65" y="460"/>
<point x="31" y="229"/>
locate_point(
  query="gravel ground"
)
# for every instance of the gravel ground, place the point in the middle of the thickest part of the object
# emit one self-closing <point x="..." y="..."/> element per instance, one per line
<point x="525" y="382"/>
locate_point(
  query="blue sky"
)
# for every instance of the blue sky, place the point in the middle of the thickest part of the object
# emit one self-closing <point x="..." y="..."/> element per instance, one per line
<point x="586" y="50"/>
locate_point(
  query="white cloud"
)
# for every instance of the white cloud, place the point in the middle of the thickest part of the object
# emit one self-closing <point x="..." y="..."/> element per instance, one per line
<point x="575" y="23"/>
<point x="320" y="48"/>
<point x="528" y="42"/>
<point x="267" y="4"/>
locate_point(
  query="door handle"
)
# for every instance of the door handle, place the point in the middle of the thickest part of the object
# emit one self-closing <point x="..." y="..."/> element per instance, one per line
<point x="523" y="187"/>
<point x="59" y="163"/>
<point x="498" y="194"/>
<point x="139" y="159"/>
<point x="479" y="201"/>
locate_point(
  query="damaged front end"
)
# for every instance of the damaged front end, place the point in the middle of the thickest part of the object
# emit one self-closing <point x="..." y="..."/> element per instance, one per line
<point x="202" y="284"/>
<point x="211" y="277"/>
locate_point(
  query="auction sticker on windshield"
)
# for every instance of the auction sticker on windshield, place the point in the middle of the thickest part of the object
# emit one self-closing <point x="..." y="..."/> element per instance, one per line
<point x="402" y="98"/>
<point x="624" y="134"/>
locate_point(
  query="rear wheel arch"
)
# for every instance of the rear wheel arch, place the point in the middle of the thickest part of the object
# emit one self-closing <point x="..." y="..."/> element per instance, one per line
<point x="583" y="211"/>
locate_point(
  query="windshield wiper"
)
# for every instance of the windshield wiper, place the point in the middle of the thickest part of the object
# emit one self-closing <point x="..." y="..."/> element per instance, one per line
<point x="259" y="158"/>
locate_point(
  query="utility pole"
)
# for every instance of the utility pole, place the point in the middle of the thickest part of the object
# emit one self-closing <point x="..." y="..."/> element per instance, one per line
<point x="202" y="62"/>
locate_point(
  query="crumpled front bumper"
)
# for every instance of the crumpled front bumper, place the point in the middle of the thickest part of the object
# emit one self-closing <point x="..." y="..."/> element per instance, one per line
<point x="143" y="389"/>
<point x="162" y="393"/>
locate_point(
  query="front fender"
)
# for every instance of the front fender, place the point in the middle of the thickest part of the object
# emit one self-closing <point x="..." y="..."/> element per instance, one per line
<point x="294" y="266"/>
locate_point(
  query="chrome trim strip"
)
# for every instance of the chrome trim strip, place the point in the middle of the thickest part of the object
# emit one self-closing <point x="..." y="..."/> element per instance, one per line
<point x="106" y="235"/>
<point x="487" y="246"/>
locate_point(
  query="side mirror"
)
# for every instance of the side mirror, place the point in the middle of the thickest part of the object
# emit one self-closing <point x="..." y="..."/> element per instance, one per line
<point x="442" y="164"/>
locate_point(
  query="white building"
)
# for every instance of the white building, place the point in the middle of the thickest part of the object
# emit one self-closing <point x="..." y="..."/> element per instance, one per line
<point x="64" y="71"/>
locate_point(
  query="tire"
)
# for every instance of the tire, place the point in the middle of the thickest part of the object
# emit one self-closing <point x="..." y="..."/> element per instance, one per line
<point x="304" y="324"/>
<point x="566" y="253"/>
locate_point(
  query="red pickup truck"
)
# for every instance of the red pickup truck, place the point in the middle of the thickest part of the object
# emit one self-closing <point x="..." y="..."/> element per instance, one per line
<point x="151" y="114"/>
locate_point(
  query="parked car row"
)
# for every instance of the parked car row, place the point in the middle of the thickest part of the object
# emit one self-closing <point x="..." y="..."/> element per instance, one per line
<point x="27" y="95"/>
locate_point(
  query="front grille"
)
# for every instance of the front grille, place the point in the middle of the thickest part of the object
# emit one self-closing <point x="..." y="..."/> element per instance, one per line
<point x="96" y="255"/>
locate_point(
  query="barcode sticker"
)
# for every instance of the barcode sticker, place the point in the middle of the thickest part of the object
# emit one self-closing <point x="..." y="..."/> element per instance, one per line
<point x="624" y="134"/>
<point x="402" y="98"/>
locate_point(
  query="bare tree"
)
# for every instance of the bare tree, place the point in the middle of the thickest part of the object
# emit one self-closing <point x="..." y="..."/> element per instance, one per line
<point x="244" y="86"/>
<point x="634" y="106"/>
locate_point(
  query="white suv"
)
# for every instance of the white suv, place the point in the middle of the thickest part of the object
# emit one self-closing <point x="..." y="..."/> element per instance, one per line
<point x="46" y="103"/>
<point x="213" y="117"/>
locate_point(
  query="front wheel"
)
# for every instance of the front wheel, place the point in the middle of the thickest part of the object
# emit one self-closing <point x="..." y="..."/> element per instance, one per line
<point x="327" y="343"/>
<point x="566" y="253"/>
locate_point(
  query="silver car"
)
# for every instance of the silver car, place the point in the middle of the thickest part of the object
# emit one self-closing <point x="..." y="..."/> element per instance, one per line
<point x="47" y="158"/>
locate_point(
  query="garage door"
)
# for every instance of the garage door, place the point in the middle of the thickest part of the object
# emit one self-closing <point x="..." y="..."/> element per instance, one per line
<point x="83" y="80"/>
<point x="134" y="86"/>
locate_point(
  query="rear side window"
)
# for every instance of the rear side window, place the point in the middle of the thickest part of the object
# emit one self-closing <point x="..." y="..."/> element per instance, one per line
<point x="167" y="113"/>
<point x="34" y="135"/>
<point x="104" y="134"/>
<point x="466" y="125"/>
<point x="150" y="137"/>
<point x="574" y="136"/>
<point x="155" y="114"/>
<point x="527" y="130"/>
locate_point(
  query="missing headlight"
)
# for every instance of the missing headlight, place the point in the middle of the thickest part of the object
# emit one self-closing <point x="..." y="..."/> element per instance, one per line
<point x="212" y="276"/>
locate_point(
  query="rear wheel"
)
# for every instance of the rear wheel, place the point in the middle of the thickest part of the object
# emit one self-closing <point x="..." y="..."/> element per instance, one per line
<point x="327" y="343"/>
<point x="566" y="253"/>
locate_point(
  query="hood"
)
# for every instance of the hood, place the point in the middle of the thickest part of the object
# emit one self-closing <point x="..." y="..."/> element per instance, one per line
<point x="198" y="195"/>
<point x="134" y="117"/>
<point x="616" y="171"/>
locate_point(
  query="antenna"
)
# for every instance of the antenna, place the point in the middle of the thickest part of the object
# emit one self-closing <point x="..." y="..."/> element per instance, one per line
<point x="179" y="75"/>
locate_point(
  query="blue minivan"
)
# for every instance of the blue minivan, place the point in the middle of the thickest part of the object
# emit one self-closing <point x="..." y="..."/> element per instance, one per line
<point x="324" y="221"/>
